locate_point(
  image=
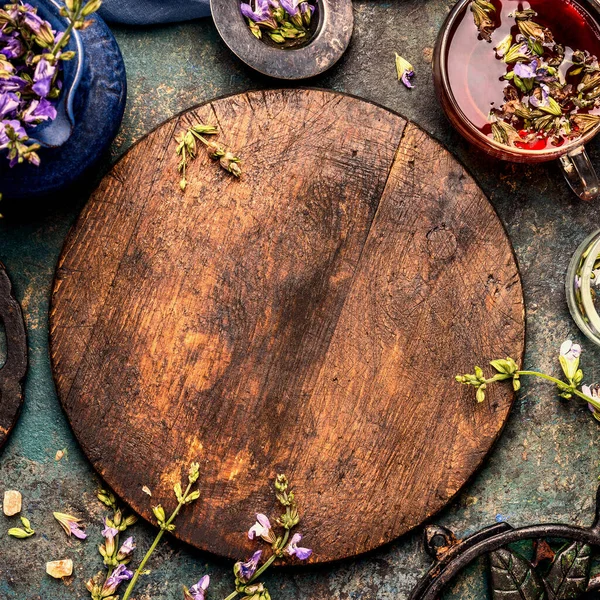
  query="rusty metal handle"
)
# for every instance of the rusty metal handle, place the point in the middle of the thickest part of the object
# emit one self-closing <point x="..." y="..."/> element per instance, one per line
<point x="15" y="367"/>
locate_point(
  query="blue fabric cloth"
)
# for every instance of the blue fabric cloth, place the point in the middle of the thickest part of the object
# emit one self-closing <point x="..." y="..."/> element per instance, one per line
<point x="144" y="12"/>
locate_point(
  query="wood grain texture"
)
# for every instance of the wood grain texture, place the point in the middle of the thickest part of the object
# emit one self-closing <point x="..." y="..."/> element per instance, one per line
<point x="307" y="319"/>
<point x="14" y="367"/>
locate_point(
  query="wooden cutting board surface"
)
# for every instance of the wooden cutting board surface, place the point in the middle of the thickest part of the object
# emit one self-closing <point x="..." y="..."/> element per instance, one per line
<point x="307" y="319"/>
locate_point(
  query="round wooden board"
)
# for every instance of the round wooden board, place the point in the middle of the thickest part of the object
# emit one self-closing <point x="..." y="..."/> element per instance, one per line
<point x="307" y="319"/>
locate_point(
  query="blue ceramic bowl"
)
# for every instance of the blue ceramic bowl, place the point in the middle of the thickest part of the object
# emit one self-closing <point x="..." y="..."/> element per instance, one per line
<point x="89" y="112"/>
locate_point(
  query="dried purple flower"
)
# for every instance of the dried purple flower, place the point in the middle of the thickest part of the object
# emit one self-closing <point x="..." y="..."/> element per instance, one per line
<point x="43" y="77"/>
<point x="71" y="525"/>
<point x="293" y="550"/>
<point x="262" y="528"/>
<point x="112" y="583"/>
<point x="259" y="12"/>
<point x="198" y="591"/>
<point x="245" y="570"/>
<point x="405" y="71"/>
<point x="593" y="392"/>
<point x="526" y="70"/>
<point x="38" y="111"/>
<point x="109" y="531"/>
<point x="126" y="550"/>
<point x="9" y="103"/>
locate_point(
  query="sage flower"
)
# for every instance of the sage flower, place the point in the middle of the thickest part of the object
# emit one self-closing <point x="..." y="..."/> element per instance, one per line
<point x="112" y="583"/>
<point x="198" y="591"/>
<point x="293" y="550"/>
<point x="259" y="12"/>
<point x="71" y="525"/>
<point x="544" y="97"/>
<point x="43" y="77"/>
<point x="569" y="359"/>
<point x="405" y="71"/>
<point x="38" y="111"/>
<point x="526" y="70"/>
<point x="504" y="46"/>
<point x="245" y="570"/>
<point x="126" y="550"/>
<point x="262" y="528"/>
<point x="9" y="103"/>
<point x="109" y="531"/>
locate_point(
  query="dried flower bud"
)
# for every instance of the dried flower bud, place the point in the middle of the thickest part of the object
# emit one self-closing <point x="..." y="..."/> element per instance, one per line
<point x="215" y="150"/>
<point x="231" y="163"/>
<point x="159" y="513"/>
<point x="194" y="470"/>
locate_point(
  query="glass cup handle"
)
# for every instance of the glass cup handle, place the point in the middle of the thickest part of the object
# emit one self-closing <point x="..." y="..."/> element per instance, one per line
<point x="580" y="174"/>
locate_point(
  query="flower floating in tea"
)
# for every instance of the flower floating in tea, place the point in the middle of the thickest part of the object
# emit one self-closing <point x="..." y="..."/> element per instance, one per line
<point x="484" y="14"/>
<point x="31" y="57"/>
<point x="285" y="22"/>
<point x="552" y="92"/>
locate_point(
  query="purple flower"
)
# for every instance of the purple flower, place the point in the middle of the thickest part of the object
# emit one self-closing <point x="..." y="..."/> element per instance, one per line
<point x="38" y="111"/>
<point x="9" y="103"/>
<point x="293" y="550"/>
<point x="526" y="71"/>
<point x="290" y="6"/>
<point x="10" y="45"/>
<point x="70" y="525"/>
<point x="32" y="19"/>
<point x="260" y="14"/>
<point x="126" y="549"/>
<point x="120" y="574"/>
<point x="405" y="71"/>
<point x="42" y="78"/>
<point x="245" y="571"/>
<point x="197" y="592"/>
<point x="12" y="83"/>
<point x="108" y="531"/>
<point x="545" y="101"/>
<point x="262" y="528"/>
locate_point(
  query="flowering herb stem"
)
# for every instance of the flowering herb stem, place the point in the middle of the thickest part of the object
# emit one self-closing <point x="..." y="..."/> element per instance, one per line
<point x="507" y="369"/>
<point x="185" y="497"/>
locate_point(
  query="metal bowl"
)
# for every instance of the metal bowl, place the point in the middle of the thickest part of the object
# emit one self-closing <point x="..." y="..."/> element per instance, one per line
<point x="329" y="41"/>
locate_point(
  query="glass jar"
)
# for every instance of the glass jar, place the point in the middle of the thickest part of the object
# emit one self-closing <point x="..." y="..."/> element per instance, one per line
<point x="583" y="287"/>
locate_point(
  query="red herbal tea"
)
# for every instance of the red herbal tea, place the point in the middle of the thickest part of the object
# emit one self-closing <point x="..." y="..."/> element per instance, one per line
<point x="476" y="73"/>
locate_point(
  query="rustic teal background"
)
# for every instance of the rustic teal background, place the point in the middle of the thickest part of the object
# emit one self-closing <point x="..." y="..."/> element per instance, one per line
<point x="546" y="465"/>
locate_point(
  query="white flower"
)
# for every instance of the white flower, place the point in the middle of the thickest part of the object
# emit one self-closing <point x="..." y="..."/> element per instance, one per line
<point x="262" y="528"/>
<point x="569" y="358"/>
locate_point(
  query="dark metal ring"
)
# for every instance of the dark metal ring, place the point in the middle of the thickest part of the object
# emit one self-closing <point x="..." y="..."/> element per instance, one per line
<point x="329" y="42"/>
<point x="453" y="555"/>
<point x="15" y="367"/>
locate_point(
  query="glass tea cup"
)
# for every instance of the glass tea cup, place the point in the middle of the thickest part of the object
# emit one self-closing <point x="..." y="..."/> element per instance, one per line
<point x="465" y="68"/>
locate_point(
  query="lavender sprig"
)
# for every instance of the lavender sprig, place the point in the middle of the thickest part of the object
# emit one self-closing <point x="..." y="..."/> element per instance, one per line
<point x="508" y="370"/>
<point x="187" y="151"/>
<point x="246" y="573"/>
<point x="104" y="585"/>
<point x="184" y="497"/>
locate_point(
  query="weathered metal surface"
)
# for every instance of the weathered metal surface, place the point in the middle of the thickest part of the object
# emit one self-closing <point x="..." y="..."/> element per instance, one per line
<point x="453" y="555"/>
<point x="546" y="464"/>
<point x="331" y="31"/>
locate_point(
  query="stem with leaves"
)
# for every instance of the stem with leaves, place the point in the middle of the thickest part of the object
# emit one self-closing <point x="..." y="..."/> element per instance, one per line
<point x="166" y="524"/>
<point x="508" y="370"/>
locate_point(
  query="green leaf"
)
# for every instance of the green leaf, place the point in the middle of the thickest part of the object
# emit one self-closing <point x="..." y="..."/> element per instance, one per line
<point x="513" y="577"/>
<point x="570" y="572"/>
